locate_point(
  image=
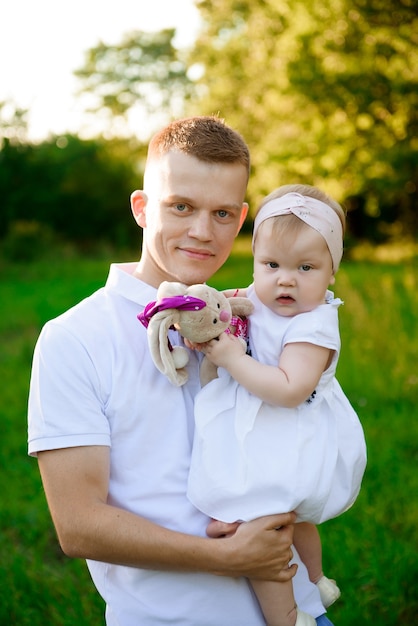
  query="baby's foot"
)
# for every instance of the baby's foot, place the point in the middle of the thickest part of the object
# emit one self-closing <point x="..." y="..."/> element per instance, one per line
<point x="303" y="619"/>
<point x="328" y="591"/>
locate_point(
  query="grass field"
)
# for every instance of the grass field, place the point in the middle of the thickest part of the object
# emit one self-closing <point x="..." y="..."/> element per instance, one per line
<point x="372" y="550"/>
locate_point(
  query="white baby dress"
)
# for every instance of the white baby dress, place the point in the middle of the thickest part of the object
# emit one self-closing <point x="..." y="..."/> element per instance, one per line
<point x="252" y="459"/>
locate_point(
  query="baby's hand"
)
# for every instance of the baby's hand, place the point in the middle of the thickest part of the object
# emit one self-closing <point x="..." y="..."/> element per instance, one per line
<point x="224" y="350"/>
<point x="192" y="345"/>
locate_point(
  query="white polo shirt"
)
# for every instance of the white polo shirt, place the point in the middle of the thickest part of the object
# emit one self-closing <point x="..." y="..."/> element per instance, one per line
<point x="94" y="383"/>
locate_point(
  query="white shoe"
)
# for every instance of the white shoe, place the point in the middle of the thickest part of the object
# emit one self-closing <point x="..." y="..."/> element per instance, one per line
<point x="328" y="591"/>
<point x="303" y="619"/>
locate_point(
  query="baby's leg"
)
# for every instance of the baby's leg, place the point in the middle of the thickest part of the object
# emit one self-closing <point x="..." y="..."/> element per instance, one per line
<point x="278" y="604"/>
<point x="308" y="544"/>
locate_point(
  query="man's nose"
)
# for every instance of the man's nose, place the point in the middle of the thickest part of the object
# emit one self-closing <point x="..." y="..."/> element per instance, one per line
<point x="201" y="228"/>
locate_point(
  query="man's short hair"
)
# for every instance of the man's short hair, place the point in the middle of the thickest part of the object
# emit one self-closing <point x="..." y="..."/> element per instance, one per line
<point x="206" y="138"/>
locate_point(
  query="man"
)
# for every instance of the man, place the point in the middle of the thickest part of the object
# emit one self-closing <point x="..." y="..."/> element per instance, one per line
<point x="113" y="437"/>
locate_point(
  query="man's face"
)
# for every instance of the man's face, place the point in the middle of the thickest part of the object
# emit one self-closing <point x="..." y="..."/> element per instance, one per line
<point x="193" y="213"/>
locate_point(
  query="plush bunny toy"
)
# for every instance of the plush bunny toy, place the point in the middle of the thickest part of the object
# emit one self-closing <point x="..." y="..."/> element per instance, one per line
<point x="199" y="313"/>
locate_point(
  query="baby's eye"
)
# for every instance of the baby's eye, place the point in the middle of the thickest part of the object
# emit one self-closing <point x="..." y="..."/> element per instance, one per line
<point x="272" y="264"/>
<point x="305" y="268"/>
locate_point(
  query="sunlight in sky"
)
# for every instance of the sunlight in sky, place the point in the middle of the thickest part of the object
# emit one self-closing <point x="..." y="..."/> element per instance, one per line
<point x="43" y="42"/>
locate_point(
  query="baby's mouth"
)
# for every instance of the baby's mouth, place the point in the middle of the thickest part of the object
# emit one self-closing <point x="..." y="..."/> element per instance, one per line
<point x="285" y="299"/>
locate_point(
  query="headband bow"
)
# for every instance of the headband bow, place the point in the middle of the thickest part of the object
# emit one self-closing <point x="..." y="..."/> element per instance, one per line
<point x="320" y="216"/>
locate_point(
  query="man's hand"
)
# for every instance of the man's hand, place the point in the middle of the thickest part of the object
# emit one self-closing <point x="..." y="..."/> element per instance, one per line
<point x="260" y="549"/>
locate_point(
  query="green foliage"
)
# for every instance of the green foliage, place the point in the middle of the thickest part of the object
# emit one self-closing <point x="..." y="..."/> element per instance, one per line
<point x="325" y="93"/>
<point x="27" y="241"/>
<point x="371" y="549"/>
<point x="13" y="122"/>
<point x="78" y="189"/>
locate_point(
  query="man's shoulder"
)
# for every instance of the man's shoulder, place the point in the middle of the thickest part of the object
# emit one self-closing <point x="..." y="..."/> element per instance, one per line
<point x="79" y="324"/>
<point x="81" y="311"/>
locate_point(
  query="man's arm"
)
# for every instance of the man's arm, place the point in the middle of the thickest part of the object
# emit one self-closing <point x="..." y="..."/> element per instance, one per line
<point x="76" y="486"/>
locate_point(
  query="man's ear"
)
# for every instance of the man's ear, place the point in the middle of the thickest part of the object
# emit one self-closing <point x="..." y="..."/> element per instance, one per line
<point x="138" y="203"/>
<point x="244" y="213"/>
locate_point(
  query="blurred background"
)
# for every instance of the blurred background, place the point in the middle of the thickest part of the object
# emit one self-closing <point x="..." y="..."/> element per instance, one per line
<point x="325" y="93"/>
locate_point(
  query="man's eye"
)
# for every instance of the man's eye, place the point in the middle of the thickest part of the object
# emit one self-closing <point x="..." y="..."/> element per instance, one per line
<point x="181" y="207"/>
<point x="222" y="213"/>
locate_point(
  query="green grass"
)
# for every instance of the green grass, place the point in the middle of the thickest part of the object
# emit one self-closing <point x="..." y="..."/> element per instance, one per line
<point x="371" y="550"/>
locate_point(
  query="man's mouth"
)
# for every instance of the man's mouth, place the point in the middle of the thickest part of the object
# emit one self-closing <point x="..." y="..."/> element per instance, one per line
<point x="196" y="254"/>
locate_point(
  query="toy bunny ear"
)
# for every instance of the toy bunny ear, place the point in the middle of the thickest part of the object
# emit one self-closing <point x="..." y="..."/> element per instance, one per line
<point x="167" y="360"/>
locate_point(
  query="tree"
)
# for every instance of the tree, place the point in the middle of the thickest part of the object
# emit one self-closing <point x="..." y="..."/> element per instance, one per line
<point x="144" y="71"/>
<point x="78" y="189"/>
<point x="325" y="92"/>
<point x="13" y="123"/>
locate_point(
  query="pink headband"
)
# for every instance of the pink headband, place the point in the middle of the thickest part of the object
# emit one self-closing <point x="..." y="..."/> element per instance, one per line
<point x="313" y="212"/>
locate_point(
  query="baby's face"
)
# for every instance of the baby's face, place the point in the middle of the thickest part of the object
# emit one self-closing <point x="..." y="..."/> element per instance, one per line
<point x="292" y="276"/>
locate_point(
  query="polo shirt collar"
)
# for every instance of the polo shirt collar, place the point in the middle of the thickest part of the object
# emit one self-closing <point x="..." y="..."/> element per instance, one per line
<point x="122" y="282"/>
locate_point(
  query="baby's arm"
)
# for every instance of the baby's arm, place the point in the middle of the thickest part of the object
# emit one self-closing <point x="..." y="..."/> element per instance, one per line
<point x="289" y="384"/>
